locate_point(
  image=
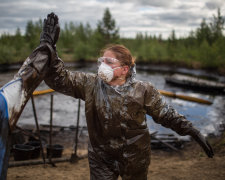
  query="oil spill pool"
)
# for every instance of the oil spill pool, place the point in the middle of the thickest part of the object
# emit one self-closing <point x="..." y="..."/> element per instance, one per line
<point x="207" y="118"/>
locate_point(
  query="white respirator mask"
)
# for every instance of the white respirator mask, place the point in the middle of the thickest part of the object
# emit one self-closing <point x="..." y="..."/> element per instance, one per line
<point x="105" y="72"/>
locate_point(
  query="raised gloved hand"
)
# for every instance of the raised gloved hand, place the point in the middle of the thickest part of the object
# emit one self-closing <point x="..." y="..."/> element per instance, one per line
<point x="51" y="29"/>
<point x="200" y="139"/>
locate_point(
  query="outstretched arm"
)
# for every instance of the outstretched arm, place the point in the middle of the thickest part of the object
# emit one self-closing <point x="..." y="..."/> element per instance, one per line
<point x="58" y="77"/>
<point x="170" y="118"/>
<point x="67" y="82"/>
<point x="17" y="92"/>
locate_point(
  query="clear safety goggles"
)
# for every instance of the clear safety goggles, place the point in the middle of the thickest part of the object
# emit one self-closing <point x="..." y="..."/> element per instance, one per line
<point x="107" y="60"/>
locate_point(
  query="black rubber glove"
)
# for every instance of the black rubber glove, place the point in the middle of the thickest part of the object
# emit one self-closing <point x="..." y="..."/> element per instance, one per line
<point x="51" y="29"/>
<point x="200" y="139"/>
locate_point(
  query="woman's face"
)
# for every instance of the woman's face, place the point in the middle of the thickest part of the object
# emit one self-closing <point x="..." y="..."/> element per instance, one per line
<point x="110" y="54"/>
<point x="118" y="72"/>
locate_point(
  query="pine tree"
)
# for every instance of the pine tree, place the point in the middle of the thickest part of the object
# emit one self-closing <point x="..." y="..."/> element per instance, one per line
<point x="107" y="28"/>
<point x="204" y="33"/>
<point x="217" y="26"/>
<point x="32" y="34"/>
<point x="172" y="38"/>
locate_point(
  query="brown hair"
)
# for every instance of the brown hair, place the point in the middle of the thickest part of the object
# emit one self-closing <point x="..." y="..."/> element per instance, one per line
<point x="121" y="52"/>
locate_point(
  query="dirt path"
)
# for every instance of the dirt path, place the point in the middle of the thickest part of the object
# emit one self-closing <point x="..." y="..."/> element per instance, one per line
<point x="190" y="164"/>
<point x="197" y="167"/>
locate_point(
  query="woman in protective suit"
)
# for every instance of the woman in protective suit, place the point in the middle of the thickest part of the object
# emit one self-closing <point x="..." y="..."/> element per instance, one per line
<point x="116" y="106"/>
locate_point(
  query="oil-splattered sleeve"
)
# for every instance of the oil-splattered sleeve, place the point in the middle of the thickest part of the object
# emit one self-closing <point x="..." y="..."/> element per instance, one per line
<point x="72" y="83"/>
<point x="166" y="115"/>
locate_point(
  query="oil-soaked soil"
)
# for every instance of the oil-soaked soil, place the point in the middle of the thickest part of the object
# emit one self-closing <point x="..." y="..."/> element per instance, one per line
<point x="191" y="164"/>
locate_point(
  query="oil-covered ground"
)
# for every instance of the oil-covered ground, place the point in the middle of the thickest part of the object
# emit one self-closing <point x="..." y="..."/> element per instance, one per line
<point x="190" y="164"/>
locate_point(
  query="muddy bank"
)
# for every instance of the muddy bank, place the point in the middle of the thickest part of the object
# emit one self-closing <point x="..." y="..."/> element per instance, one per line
<point x="190" y="164"/>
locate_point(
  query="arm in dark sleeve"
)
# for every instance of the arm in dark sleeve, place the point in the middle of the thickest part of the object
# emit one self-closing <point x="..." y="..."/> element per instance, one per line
<point x="170" y="118"/>
<point x="65" y="81"/>
<point x="18" y="91"/>
<point x="35" y="67"/>
<point x="165" y="114"/>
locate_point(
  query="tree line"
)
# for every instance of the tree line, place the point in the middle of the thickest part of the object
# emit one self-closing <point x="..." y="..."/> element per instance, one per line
<point x="202" y="48"/>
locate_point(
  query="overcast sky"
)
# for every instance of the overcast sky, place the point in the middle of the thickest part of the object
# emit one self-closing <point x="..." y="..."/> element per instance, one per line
<point x="132" y="16"/>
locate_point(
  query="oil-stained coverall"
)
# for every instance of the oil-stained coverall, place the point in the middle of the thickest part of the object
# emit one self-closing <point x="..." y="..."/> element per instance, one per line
<point x="116" y="120"/>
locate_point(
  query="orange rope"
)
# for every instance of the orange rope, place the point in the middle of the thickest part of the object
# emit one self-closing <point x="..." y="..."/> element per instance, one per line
<point x="35" y="93"/>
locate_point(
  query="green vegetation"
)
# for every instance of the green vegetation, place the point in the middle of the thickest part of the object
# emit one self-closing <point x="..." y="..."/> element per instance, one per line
<point x="203" y="48"/>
